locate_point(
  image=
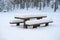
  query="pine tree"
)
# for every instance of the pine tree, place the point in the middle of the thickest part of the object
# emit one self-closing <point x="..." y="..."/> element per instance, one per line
<point x="1" y="5"/>
<point x="56" y="6"/>
<point x="36" y="3"/>
<point x="27" y="4"/>
<point x="59" y="2"/>
<point x="44" y="4"/>
<point x="40" y="6"/>
<point x="48" y="2"/>
<point x="32" y="3"/>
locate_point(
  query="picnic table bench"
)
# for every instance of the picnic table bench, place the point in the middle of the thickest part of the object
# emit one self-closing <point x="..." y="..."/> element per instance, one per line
<point x="17" y="21"/>
<point x="36" y="23"/>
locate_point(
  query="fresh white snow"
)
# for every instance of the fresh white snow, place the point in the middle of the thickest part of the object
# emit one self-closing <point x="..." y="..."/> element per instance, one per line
<point x="13" y="32"/>
<point x="16" y="21"/>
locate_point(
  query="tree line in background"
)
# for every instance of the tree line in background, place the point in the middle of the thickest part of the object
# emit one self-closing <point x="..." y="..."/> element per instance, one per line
<point x="9" y="5"/>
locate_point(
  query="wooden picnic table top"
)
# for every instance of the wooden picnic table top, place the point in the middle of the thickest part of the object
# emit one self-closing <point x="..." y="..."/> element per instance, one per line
<point x="30" y="16"/>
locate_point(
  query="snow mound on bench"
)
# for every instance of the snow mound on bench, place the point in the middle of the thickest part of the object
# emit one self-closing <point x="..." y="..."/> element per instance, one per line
<point x="44" y="20"/>
<point x="16" y="20"/>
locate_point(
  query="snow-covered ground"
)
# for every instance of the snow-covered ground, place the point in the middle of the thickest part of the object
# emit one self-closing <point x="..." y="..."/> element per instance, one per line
<point x="12" y="32"/>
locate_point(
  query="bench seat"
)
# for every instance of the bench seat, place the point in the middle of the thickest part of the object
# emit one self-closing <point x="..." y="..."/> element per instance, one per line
<point x="38" y="22"/>
<point x="16" y="21"/>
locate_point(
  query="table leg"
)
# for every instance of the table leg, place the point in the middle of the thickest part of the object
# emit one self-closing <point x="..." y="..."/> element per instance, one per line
<point x="17" y="24"/>
<point x="39" y="18"/>
<point x="46" y="24"/>
<point x="35" y="26"/>
<point x="25" y="26"/>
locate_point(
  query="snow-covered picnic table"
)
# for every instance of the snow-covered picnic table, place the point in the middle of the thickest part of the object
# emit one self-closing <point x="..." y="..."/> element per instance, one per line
<point x="26" y="17"/>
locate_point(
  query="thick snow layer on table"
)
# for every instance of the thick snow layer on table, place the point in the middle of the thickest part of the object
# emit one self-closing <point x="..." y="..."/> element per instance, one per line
<point x="40" y="21"/>
<point x="13" y="32"/>
<point x="27" y="15"/>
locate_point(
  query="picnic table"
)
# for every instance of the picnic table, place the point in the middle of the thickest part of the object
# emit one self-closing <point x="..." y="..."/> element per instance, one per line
<point x="28" y="17"/>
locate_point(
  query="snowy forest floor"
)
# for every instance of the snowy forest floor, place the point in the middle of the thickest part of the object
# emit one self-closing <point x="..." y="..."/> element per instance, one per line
<point x="12" y="32"/>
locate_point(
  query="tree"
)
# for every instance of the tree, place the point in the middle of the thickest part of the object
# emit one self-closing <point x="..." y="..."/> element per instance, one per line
<point x="59" y="2"/>
<point x="48" y="2"/>
<point x="1" y="5"/>
<point x="27" y="4"/>
<point x="56" y="6"/>
<point x="35" y="3"/>
<point x="44" y="4"/>
<point x="40" y="6"/>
